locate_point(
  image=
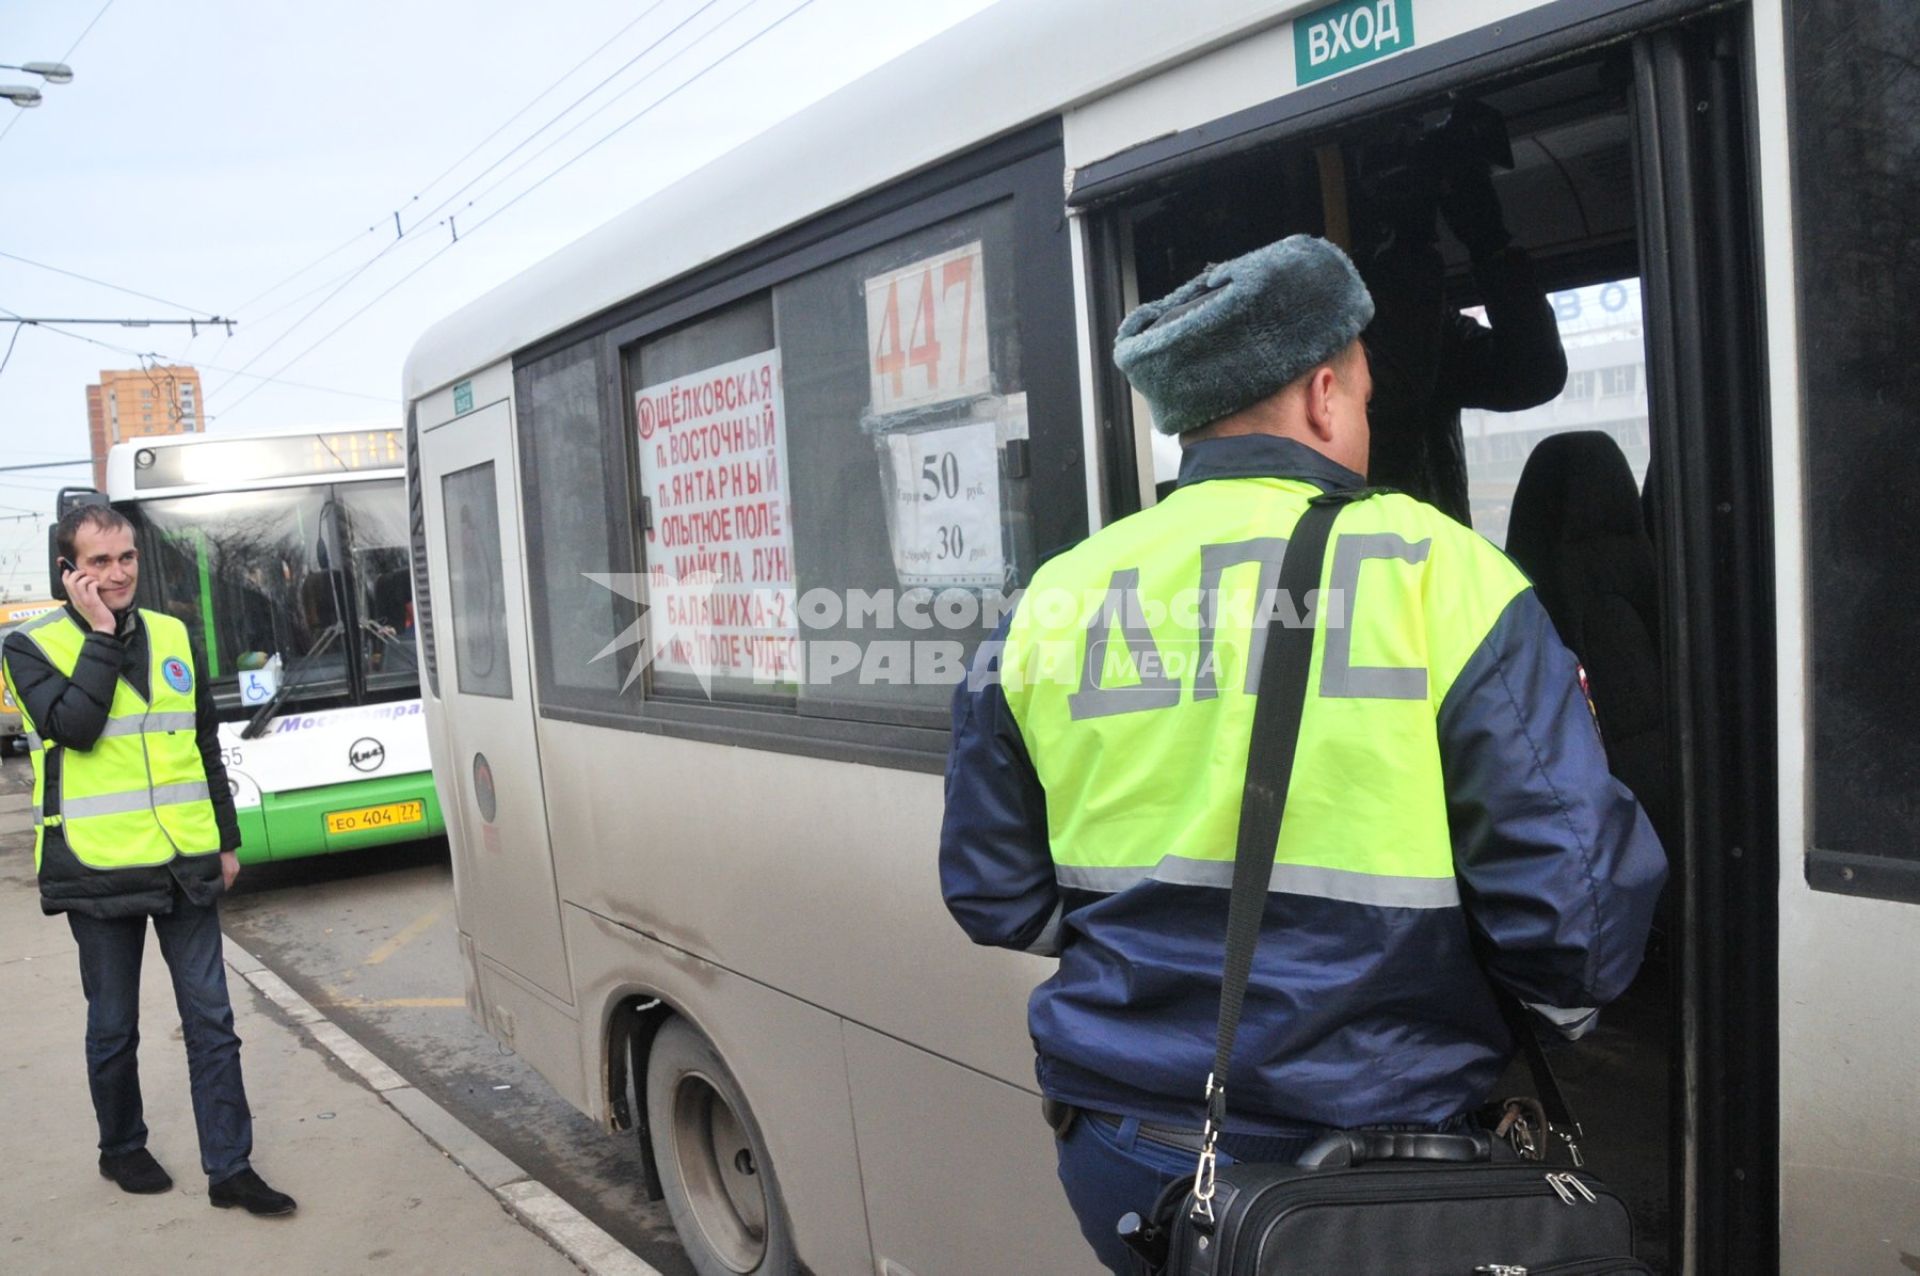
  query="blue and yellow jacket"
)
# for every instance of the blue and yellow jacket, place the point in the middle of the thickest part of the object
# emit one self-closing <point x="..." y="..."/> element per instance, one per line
<point x="1450" y="817"/>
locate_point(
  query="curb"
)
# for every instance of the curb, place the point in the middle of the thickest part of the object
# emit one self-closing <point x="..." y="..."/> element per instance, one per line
<point x="538" y="1208"/>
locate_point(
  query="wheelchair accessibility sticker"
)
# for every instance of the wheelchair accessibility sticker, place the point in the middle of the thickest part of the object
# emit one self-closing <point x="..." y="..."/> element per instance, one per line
<point x="178" y="676"/>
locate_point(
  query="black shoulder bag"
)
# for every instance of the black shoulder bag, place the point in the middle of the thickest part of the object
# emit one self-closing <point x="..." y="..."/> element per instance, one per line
<point x="1367" y="1202"/>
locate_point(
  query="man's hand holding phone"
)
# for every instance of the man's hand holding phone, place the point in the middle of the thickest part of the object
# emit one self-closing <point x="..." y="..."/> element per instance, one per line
<point x="84" y="590"/>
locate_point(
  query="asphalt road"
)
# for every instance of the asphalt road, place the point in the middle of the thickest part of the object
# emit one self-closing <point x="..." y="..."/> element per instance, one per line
<point x="368" y="938"/>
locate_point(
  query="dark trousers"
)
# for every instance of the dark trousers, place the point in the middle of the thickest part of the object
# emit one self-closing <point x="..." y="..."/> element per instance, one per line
<point x="110" y="953"/>
<point x="1112" y="1170"/>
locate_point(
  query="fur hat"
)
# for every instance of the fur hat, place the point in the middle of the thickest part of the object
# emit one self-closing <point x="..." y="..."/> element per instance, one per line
<point x="1242" y="331"/>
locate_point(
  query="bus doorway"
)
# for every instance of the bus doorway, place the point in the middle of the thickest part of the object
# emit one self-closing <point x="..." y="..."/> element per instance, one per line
<point x="465" y="485"/>
<point x="1630" y="488"/>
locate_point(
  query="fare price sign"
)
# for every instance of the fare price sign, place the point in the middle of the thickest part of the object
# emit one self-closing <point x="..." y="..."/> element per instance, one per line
<point x="927" y="332"/>
<point x="946" y="505"/>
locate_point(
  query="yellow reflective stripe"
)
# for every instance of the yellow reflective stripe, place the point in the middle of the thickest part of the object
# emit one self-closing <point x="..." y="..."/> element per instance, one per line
<point x="140" y="799"/>
<point x="41" y="622"/>
<point x="1377" y="889"/>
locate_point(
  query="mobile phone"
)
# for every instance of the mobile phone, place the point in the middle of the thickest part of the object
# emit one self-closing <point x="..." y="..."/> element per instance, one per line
<point x="67" y="565"/>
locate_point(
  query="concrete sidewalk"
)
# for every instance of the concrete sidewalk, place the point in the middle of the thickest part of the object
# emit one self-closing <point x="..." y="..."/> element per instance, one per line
<point x="374" y="1194"/>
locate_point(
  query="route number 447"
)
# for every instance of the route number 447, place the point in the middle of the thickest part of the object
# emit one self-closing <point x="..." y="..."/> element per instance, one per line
<point x="927" y="332"/>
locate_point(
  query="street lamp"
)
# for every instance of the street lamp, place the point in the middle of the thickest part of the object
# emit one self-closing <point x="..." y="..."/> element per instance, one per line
<point x="51" y="72"/>
<point x="25" y="96"/>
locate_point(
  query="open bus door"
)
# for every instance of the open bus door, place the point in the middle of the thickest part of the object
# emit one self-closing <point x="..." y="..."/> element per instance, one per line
<point x="1632" y="183"/>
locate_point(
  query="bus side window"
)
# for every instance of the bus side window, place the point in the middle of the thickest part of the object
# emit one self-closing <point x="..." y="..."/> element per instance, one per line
<point x="479" y="619"/>
<point x="579" y="523"/>
<point x="834" y="479"/>
<point x="1601" y="329"/>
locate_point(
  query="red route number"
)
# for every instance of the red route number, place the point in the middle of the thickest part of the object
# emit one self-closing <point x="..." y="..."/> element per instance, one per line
<point x="938" y="329"/>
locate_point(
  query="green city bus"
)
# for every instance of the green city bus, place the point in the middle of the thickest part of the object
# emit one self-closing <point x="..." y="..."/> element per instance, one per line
<point x="287" y="558"/>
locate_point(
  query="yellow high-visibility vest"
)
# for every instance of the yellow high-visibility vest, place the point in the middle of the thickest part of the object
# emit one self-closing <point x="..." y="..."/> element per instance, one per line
<point x="138" y="798"/>
<point x="1131" y="669"/>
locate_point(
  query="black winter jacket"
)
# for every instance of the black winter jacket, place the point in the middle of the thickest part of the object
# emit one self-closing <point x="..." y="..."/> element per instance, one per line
<point x="1430" y="361"/>
<point x="72" y="712"/>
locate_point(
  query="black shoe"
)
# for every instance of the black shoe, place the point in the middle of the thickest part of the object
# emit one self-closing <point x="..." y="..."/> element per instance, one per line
<point x="249" y="1191"/>
<point x="135" y="1171"/>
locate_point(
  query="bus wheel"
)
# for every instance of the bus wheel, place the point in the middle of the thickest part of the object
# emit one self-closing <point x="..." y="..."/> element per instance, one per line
<point x="714" y="1167"/>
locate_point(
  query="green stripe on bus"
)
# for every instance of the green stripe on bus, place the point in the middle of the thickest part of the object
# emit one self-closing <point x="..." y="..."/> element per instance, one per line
<point x="292" y="824"/>
<point x="206" y="601"/>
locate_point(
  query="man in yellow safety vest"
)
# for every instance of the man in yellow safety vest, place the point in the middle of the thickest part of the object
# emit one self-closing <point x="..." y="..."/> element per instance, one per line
<point x="1451" y="831"/>
<point x="134" y="819"/>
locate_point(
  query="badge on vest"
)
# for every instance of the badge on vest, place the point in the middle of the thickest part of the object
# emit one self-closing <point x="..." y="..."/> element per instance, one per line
<point x="177" y="674"/>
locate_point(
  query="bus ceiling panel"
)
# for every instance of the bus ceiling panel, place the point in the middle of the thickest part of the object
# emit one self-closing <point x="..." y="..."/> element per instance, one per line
<point x="1452" y="45"/>
<point x="1569" y="198"/>
<point x="1542" y="101"/>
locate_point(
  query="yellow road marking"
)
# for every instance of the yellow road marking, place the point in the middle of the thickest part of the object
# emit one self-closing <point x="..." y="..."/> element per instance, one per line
<point x="408" y="933"/>
<point x="334" y="997"/>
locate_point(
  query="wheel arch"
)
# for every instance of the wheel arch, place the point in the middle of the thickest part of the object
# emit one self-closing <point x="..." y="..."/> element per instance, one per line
<point x="632" y="1021"/>
<point x="634" y="998"/>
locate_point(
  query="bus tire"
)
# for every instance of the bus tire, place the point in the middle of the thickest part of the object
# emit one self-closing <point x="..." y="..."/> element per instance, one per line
<point x="714" y="1168"/>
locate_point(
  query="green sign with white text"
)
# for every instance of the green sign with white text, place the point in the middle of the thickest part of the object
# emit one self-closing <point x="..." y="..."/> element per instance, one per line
<point x="1342" y="36"/>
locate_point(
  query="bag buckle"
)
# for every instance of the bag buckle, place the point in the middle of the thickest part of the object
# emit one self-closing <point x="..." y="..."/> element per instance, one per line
<point x="1203" y="1175"/>
<point x="1523" y="1124"/>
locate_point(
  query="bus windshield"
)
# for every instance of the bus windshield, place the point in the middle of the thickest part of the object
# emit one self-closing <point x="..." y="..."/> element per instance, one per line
<point x="302" y="586"/>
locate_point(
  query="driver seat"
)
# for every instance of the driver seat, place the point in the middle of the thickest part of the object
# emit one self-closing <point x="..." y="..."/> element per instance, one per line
<point x="1578" y="532"/>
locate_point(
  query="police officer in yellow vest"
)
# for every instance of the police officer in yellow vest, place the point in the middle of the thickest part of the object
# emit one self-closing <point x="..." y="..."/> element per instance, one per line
<point x="134" y="819"/>
<point x="1451" y="827"/>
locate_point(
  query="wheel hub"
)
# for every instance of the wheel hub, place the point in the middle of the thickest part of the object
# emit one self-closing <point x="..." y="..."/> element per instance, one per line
<point x="721" y="1174"/>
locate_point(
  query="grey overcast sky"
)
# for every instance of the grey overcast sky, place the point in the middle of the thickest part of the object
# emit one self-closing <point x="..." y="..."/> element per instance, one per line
<point x="207" y="149"/>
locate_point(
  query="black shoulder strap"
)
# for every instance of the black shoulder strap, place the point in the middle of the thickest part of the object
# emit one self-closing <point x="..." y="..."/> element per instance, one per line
<point x="1287" y="655"/>
<point x="1553" y="1102"/>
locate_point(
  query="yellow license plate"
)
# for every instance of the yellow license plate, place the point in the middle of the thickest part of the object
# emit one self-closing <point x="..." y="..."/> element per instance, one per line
<point x="366" y="818"/>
